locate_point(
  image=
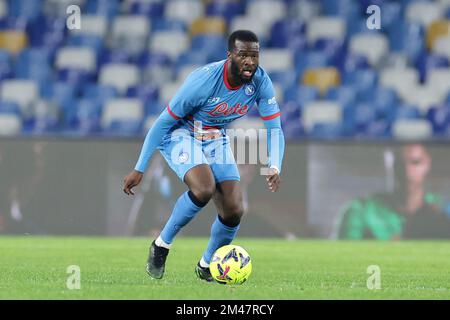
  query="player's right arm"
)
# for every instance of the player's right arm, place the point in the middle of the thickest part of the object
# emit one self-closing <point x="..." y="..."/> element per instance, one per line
<point x="190" y="95"/>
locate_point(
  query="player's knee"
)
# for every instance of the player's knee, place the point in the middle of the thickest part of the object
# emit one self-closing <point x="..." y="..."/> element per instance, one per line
<point x="204" y="192"/>
<point x="234" y="213"/>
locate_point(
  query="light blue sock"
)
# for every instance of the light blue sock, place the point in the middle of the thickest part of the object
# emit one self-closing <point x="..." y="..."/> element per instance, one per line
<point x="182" y="213"/>
<point x="221" y="235"/>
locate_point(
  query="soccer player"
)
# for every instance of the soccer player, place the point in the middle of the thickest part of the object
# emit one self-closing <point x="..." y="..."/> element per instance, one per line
<point x="190" y="135"/>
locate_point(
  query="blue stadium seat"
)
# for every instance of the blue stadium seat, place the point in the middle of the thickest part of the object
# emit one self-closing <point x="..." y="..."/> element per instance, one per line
<point x="302" y="95"/>
<point x="290" y="112"/>
<point x="363" y="115"/>
<point x="214" y="46"/>
<point x="48" y="32"/>
<point x="343" y="94"/>
<point x="362" y="81"/>
<point x="114" y="56"/>
<point x="284" y="31"/>
<point x="310" y="59"/>
<point x="349" y="9"/>
<point x="163" y="24"/>
<point x="439" y="117"/>
<point x="107" y="8"/>
<point x="59" y="92"/>
<point x="6" y="70"/>
<point x="335" y="49"/>
<point x="293" y="130"/>
<point x="145" y="92"/>
<point x="406" y="111"/>
<point x="407" y="38"/>
<point x="9" y="107"/>
<point x="76" y="77"/>
<point x="378" y="129"/>
<point x="124" y="128"/>
<point x="25" y="9"/>
<point x="284" y="79"/>
<point x="428" y="61"/>
<point x="152" y="9"/>
<point x="84" y="115"/>
<point x="87" y="40"/>
<point x="326" y="131"/>
<point x="98" y="92"/>
<point x="226" y="9"/>
<point x="352" y="62"/>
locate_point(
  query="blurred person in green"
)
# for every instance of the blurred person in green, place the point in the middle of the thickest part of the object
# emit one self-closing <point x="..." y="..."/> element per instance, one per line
<point x="409" y="211"/>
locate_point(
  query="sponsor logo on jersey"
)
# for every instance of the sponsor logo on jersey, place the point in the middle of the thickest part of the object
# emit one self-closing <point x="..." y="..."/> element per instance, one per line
<point x="249" y="89"/>
<point x="224" y="109"/>
<point x="272" y="100"/>
<point x="213" y="100"/>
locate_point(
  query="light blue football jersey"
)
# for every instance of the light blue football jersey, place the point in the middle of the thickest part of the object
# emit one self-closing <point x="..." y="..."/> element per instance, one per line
<point x="207" y="98"/>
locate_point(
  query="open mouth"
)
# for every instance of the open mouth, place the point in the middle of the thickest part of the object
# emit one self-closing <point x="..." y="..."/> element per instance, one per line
<point x="247" y="73"/>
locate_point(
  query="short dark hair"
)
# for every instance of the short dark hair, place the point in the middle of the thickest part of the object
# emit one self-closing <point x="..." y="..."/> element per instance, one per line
<point x="243" y="35"/>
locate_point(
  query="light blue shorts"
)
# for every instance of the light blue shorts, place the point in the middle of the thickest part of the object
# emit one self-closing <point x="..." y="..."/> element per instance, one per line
<point x="183" y="152"/>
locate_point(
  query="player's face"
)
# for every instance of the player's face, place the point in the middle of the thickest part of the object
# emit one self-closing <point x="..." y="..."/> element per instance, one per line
<point x="417" y="163"/>
<point x="244" y="60"/>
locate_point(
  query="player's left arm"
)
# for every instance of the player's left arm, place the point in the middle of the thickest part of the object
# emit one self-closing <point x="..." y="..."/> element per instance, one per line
<point x="271" y="115"/>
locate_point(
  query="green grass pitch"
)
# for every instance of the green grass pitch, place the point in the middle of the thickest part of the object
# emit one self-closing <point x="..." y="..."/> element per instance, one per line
<point x="114" y="268"/>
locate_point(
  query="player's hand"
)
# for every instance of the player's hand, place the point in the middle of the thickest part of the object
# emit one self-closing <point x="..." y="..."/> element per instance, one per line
<point x="131" y="180"/>
<point x="273" y="179"/>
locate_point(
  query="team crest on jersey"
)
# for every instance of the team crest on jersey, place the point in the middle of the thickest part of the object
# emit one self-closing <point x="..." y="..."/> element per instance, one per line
<point x="249" y="89"/>
<point x="183" y="157"/>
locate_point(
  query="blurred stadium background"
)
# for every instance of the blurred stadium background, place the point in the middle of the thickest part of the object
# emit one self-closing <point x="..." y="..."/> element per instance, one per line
<point x="335" y="80"/>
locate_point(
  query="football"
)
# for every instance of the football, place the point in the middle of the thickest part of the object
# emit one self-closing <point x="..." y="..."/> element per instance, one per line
<point x="231" y="264"/>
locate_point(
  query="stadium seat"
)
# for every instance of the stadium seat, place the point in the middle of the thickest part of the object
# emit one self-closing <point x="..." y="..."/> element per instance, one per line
<point x="22" y="92"/>
<point x="325" y="27"/>
<point x="84" y="115"/>
<point x="13" y="41"/>
<point x="158" y="75"/>
<point x="407" y="112"/>
<point x="76" y="58"/>
<point x="302" y="95"/>
<point x="372" y="46"/>
<point x="130" y="33"/>
<point x="325" y="112"/>
<point x="401" y="80"/>
<point x="184" y="10"/>
<point x="423" y="13"/>
<point x="246" y="22"/>
<point x="344" y="95"/>
<point x="326" y="130"/>
<point x="437" y="29"/>
<point x="124" y="109"/>
<point x="10" y="124"/>
<point x="273" y="60"/>
<point x="362" y="81"/>
<point x="208" y="25"/>
<point x="442" y="46"/>
<point x="3" y="9"/>
<point x="305" y="10"/>
<point x="412" y="129"/>
<point x="407" y="38"/>
<point x="430" y="61"/>
<point x="151" y="9"/>
<point x="266" y="11"/>
<point x="285" y="31"/>
<point x="92" y="25"/>
<point x="172" y="43"/>
<point x="106" y="8"/>
<point x="310" y="60"/>
<point x="363" y="115"/>
<point x="439" y="79"/>
<point x="98" y="92"/>
<point x="119" y="76"/>
<point x="60" y="93"/>
<point x="23" y="9"/>
<point x="225" y="9"/>
<point x="44" y="117"/>
<point x="424" y="96"/>
<point x="321" y="78"/>
<point x="439" y="117"/>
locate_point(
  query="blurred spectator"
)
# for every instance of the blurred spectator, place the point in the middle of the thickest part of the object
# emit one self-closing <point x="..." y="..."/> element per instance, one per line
<point x="409" y="211"/>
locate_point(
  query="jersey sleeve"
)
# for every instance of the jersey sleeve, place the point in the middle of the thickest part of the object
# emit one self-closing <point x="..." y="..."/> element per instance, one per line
<point x="270" y="112"/>
<point x="193" y="93"/>
<point x="190" y="95"/>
